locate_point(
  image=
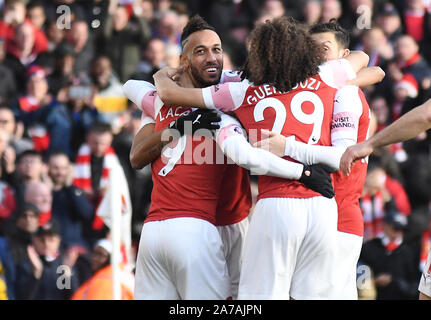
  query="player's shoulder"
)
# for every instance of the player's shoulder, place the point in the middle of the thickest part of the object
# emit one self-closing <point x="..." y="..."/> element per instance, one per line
<point x="336" y="72"/>
<point x="230" y="76"/>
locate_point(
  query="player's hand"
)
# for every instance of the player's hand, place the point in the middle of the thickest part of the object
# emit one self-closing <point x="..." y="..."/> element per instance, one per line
<point x="35" y="261"/>
<point x="382" y="280"/>
<point x="353" y="154"/>
<point x="273" y="142"/>
<point x="167" y="72"/>
<point x="317" y="178"/>
<point x="199" y="119"/>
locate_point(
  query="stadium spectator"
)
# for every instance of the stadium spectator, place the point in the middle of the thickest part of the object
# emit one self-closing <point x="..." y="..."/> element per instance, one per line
<point x="20" y="53"/>
<point x="62" y="77"/>
<point x="30" y="167"/>
<point x="39" y="194"/>
<point x="47" y="274"/>
<point x="140" y="181"/>
<point x="395" y="275"/>
<point x="312" y="12"/>
<point x="109" y="98"/>
<point x="153" y="60"/>
<point x="415" y="18"/>
<point x="382" y="193"/>
<point x="409" y="60"/>
<point x="167" y="27"/>
<point x="94" y="160"/>
<point x="22" y="226"/>
<point x="380" y="107"/>
<point x="8" y="174"/>
<point x="100" y="285"/>
<point x="36" y="14"/>
<point x="80" y="38"/>
<point x="376" y="45"/>
<point x="7" y="272"/>
<point x="47" y="121"/>
<point x="124" y="36"/>
<point x="331" y="9"/>
<point x="389" y="20"/>
<point x="70" y="207"/>
<point x="7" y="78"/>
<point x="15" y="131"/>
<point x="54" y="34"/>
<point x="14" y="16"/>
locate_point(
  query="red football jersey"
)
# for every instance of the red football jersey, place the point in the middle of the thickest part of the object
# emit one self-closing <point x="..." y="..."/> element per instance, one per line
<point x="182" y="187"/>
<point x="235" y="196"/>
<point x="348" y="189"/>
<point x="219" y="193"/>
<point x="305" y="112"/>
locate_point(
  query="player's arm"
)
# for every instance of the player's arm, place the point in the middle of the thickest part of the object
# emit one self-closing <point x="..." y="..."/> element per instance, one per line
<point x="172" y="94"/>
<point x="406" y="127"/>
<point x="232" y="142"/>
<point x="224" y="97"/>
<point x="347" y="111"/>
<point x="358" y="60"/>
<point x="148" y="145"/>
<point x="367" y="77"/>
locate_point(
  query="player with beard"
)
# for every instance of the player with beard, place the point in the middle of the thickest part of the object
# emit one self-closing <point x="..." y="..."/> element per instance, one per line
<point x="181" y="253"/>
<point x="288" y="90"/>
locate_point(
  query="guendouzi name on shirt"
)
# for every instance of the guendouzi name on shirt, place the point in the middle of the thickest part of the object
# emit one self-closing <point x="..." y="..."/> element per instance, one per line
<point x="263" y="91"/>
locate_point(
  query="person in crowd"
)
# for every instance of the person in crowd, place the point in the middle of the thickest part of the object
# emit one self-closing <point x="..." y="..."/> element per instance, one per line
<point x="100" y="285"/>
<point x="70" y="207"/>
<point x="153" y="60"/>
<point x="82" y="41"/>
<point x="124" y="34"/>
<point x="47" y="121"/>
<point x="409" y="60"/>
<point x="391" y="261"/>
<point x="47" y="274"/>
<point x="22" y="226"/>
<point x="109" y="98"/>
<point x="7" y="77"/>
<point x="39" y="194"/>
<point x="93" y="163"/>
<point x="7" y="272"/>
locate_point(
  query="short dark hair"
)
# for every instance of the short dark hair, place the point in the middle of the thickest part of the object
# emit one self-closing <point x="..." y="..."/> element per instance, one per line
<point x="100" y="128"/>
<point x="29" y="153"/>
<point x="341" y="35"/>
<point x="57" y="153"/>
<point x="195" y="24"/>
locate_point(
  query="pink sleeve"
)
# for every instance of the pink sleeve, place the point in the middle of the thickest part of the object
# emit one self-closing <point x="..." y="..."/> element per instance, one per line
<point x="335" y="73"/>
<point x="144" y="95"/>
<point x="225" y="97"/>
<point x="230" y="76"/>
<point x="146" y="119"/>
<point x="148" y="103"/>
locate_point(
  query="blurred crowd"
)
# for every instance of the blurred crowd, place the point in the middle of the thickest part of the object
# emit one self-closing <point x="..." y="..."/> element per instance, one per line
<point x="62" y="66"/>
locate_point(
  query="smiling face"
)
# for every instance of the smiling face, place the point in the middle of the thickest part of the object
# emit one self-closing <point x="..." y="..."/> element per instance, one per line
<point x="203" y="58"/>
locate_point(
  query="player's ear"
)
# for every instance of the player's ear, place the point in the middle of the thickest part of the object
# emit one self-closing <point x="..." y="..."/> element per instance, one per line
<point x="184" y="61"/>
<point x="346" y="52"/>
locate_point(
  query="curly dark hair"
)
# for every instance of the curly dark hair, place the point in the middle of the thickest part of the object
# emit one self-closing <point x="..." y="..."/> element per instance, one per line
<point x="341" y="35"/>
<point x="195" y="24"/>
<point x="282" y="53"/>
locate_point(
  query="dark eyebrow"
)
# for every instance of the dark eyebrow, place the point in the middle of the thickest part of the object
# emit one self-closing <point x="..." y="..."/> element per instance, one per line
<point x="204" y="47"/>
